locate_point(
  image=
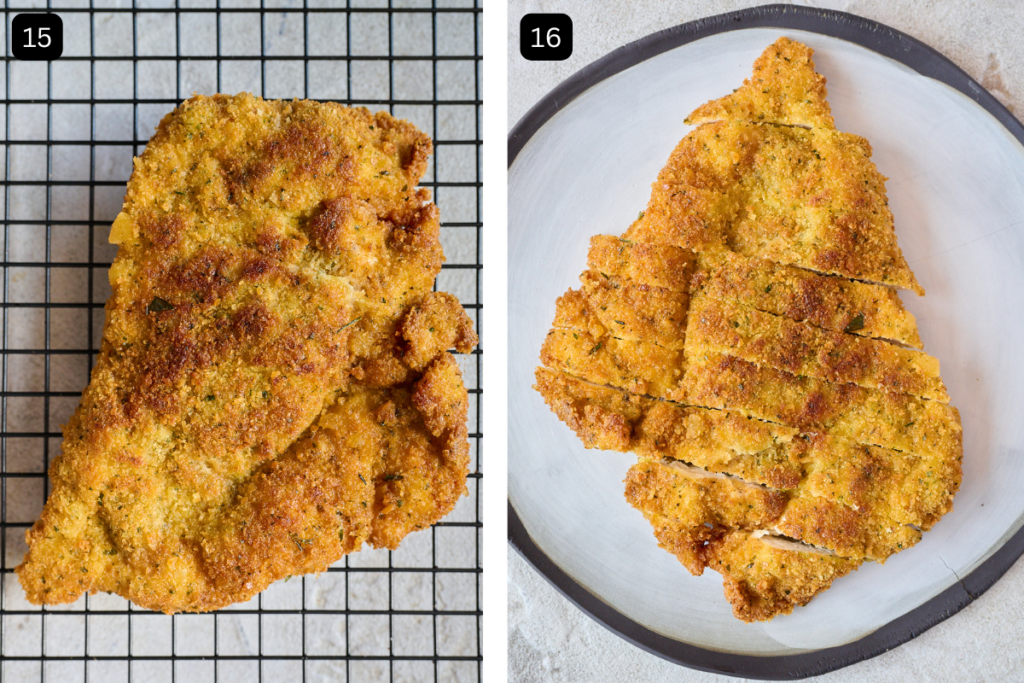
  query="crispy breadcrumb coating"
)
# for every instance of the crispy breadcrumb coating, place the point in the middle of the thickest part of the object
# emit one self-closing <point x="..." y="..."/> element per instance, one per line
<point x="763" y="579"/>
<point x="809" y="198"/>
<point x="784" y="89"/>
<point x="744" y="338"/>
<point x="801" y="349"/>
<point x="831" y="303"/>
<point x="265" y="399"/>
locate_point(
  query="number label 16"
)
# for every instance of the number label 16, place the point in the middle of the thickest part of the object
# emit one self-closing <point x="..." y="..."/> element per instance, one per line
<point x="545" y="37"/>
<point x="37" y="36"/>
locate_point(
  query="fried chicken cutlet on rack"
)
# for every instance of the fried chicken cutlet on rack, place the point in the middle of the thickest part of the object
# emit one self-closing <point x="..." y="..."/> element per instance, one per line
<point x="274" y="387"/>
<point x="745" y="340"/>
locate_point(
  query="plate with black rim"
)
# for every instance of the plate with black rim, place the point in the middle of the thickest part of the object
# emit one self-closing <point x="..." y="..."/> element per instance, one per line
<point x="581" y="163"/>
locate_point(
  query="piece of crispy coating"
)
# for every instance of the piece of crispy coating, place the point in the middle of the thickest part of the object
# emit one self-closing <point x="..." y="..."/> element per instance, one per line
<point x="864" y="534"/>
<point x="269" y="252"/>
<point x="907" y="488"/>
<point x="763" y="579"/>
<point x="639" y="367"/>
<point x="810" y="198"/>
<point x="378" y="464"/>
<point x="847" y="411"/>
<point x="720" y="441"/>
<point x="784" y="89"/>
<point x="637" y="311"/>
<point x="434" y="325"/>
<point x="722" y="326"/>
<point x="602" y="417"/>
<point x="689" y="508"/>
<point x="832" y="303"/>
<point x="574" y="312"/>
<point x="658" y="265"/>
<point x="624" y="310"/>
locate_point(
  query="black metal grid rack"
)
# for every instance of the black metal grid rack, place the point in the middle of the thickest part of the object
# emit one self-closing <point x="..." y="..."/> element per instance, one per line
<point x="71" y="128"/>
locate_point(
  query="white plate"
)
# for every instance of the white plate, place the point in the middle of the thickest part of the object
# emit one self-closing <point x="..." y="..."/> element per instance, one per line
<point x="956" y="188"/>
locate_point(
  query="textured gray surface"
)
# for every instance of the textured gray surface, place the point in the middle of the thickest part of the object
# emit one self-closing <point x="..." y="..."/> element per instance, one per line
<point x="551" y="640"/>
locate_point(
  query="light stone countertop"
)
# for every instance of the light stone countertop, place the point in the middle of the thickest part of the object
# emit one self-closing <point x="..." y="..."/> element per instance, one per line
<point x="549" y="638"/>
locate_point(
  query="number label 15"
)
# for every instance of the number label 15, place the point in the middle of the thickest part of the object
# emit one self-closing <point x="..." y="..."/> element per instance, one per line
<point x="37" y="36"/>
<point x="545" y="37"/>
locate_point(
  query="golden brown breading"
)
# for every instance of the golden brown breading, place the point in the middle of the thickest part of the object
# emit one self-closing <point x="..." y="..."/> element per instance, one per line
<point x="424" y="472"/>
<point x="720" y="441"/>
<point x="831" y="303"/>
<point x="784" y="89"/>
<point x="658" y="265"/>
<point x="602" y="417"/>
<point x="636" y="311"/>
<point x="378" y="464"/>
<point x="638" y="367"/>
<point x="573" y="312"/>
<point x="764" y="578"/>
<point x="810" y="198"/>
<point x="716" y="440"/>
<point x="624" y="310"/>
<point x="909" y="488"/>
<point x="864" y="534"/>
<point x="269" y="254"/>
<point x="798" y="436"/>
<point x="846" y="410"/>
<point x="688" y="507"/>
<point x="801" y="349"/>
<point x="904" y="488"/>
<point x="434" y="325"/>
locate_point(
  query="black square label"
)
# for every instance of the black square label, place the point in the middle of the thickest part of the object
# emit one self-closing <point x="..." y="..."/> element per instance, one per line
<point x="545" y="37"/>
<point x="37" y="37"/>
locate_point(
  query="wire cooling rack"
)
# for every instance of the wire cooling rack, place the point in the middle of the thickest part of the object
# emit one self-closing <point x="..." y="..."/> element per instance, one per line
<point x="71" y="128"/>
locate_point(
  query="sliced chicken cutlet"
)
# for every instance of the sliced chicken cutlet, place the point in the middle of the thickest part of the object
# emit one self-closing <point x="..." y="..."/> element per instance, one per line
<point x="689" y="507"/>
<point x="602" y="417"/>
<point x="810" y="198"/>
<point x="848" y="411"/>
<point x="765" y="576"/>
<point x="657" y="265"/>
<point x="639" y="367"/>
<point x="275" y="259"/>
<point x="831" y="303"/>
<point x="802" y="431"/>
<point x="726" y="327"/>
<point x="784" y="89"/>
<point x="720" y="441"/>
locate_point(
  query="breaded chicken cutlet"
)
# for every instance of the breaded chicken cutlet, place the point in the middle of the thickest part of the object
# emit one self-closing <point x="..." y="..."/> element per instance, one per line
<point x="744" y="338"/>
<point x="274" y="387"/>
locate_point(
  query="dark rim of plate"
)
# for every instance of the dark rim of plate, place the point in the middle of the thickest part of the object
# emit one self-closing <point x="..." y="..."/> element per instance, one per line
<point x="927" y="62"/>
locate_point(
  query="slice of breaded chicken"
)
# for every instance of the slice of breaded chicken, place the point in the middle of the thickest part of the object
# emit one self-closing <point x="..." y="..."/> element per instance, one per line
<point x="847" y="411"/>
<point x="639" y="367"/>
<point x="831" y="303"/>
<point x="784" y="89"/>
<point x="689" y="508"/>
<point x="602" y="417"/>
<point x="610" y="306"/>
<point x="716" y="325"/>
<point x="765" y="576"/>
<point x="658" y="265"/>
<point x="264" y="367"/>
<point x="810" y="198"/>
